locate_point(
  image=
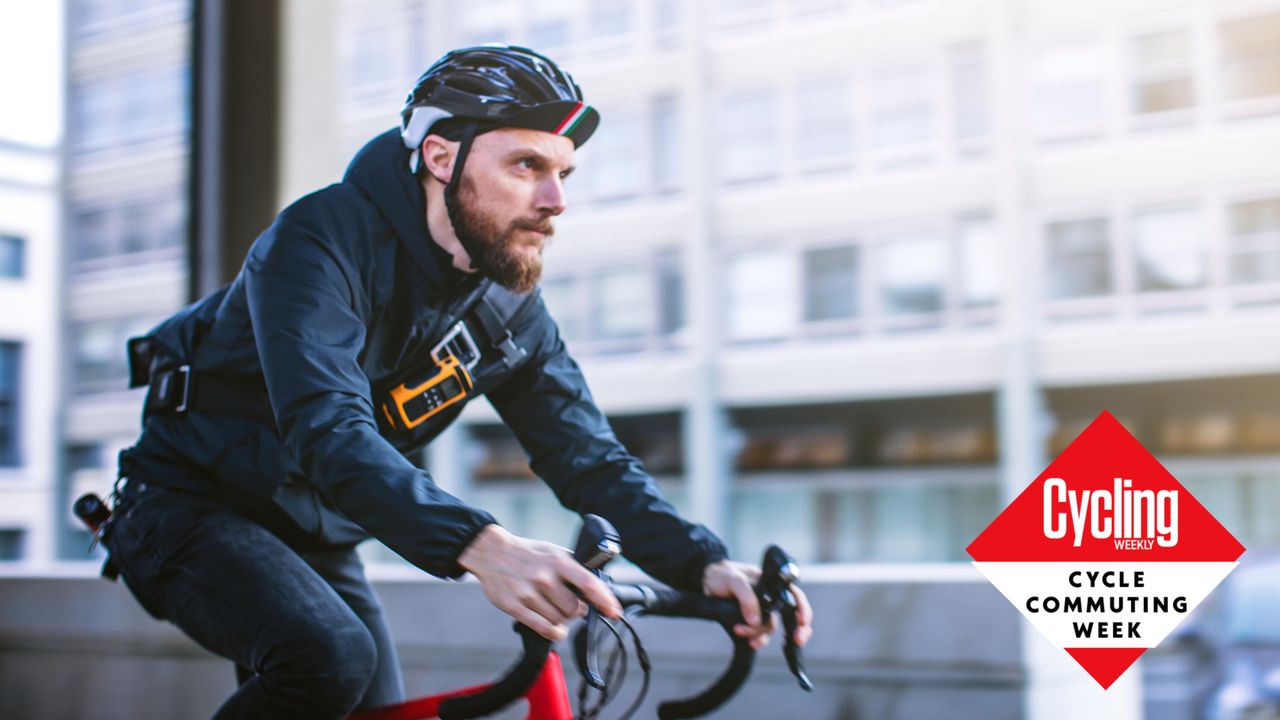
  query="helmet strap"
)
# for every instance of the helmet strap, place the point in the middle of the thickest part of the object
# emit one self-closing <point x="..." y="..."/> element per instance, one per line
<point x="451" y="190"/>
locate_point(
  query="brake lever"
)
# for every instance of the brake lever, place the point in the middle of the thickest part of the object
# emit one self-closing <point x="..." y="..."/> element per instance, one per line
<point x="598" y="543"/>
<point x="777" y="573"/>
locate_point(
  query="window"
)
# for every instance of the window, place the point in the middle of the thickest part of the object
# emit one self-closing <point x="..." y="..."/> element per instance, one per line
<point x="140" y="107"/>
<point x="668" y="145"/>
<point x="616" y="161"/>
<point x="147" y="225"/>
<point x="370" y="57"/>
<point x="100" y="362"/>
<point x="609" y="18"/>
<point x="1162" y="79"/>
<point x="486" y="21"/>
<point x="12" y="256"/>
<point x="762" y="295"/>
<point x="561" y="298"/>
<point x="10" y="416"/>
<point x="902" y="108"/>
<point x="1077" y="258"/>
<point x="912" y="273"/>
<point x="550" y="26"/>
<point x="824" y="126"/>
<point x="666" y="21"/>
<point x="748" y="136"/>
<point x="981" y="262"/>
<point x="670" y="297"/>
<point x="624" y="304"/>
<point x="969" y="89"/>
<point x="1169" y="249"/>
<point x="1255" y="241"/>
<point x="831" y="283"/>
<point x="740" y="12"/>
<point x="12" y="544"/>
<point x="1250" y="57"/>
<point x="1068" y="90"/>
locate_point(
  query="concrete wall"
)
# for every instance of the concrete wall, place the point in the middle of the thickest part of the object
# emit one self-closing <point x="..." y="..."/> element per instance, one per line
<point x="76" y="648"/>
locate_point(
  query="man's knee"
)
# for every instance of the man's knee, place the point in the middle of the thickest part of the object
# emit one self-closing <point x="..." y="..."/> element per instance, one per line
<point x="329" y="672"/>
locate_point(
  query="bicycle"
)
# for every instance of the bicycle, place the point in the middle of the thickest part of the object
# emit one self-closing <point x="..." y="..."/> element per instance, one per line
<point x="538" y="675"/>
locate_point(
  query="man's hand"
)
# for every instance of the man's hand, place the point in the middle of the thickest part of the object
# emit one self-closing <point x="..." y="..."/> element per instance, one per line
<point x="727" y="578"/>
<point x="530" y="581"/>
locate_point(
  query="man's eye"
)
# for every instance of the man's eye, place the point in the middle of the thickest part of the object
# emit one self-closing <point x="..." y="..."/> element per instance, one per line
<point x="526" y="163"/>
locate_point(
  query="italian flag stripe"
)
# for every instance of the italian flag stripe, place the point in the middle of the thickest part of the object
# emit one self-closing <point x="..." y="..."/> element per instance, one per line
<point x="571" y="121"/>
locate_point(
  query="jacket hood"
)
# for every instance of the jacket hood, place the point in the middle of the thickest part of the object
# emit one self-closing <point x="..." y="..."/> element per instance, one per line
<point x="381" y="171"/>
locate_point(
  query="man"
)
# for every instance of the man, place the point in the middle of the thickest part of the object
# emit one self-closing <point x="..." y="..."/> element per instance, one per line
<point x="282" y="407"/>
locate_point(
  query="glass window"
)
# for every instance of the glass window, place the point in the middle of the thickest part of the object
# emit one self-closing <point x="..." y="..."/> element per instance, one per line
<point x="1078" y="258"/>
<point x="10" y="413"/>
<point x="768" y="515"/>
<point x="748" y="136"/>
<point x="668" y="146"/>
<point x="969" y="87"/>
<point x="902" y="107"/>
<point x="913" y="273"/>
<point x="981" y="262"/>
<point x="824" y="126"/>
<point x="12" y="260"/>
<point x="1250" y="57"/>
<point x="100" y="361"/>
<point x="762" y="295"/>
<point x="830" y="283"/>
<point x="561" y="298"/>
<point x="1162" y="78"/>
<point x="615" y="157"/>
<point x="370" y="57"/>
<point x="666" y="20"/>
<point x="910" y="522"/>
<point x="550" y="25"/>
<point x="1255" y="241"/>
<point x="1169" y="249"/>
<point x="609" y="18"/>
<point x="1068" y="89"/>
<point x="12" y="544"/>
<point x="624" y="304"/>
<point x="486" y="21"/>
<point x="92" y="234"/>
<point x="671" y="297"/>
<point x="95" y="106"/>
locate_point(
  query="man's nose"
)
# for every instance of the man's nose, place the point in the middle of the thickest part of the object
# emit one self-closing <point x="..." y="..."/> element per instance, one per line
<point x="550" y="196"/>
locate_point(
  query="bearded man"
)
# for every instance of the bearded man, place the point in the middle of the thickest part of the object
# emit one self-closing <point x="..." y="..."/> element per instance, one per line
<point x="282" y="408"/>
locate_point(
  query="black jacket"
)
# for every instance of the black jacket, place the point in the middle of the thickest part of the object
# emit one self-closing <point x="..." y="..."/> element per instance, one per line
<point x="339" y="293"/>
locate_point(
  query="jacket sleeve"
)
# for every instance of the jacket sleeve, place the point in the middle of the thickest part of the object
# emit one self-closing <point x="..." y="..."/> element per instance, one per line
<point x="308" y="311"/>
<point x="571" y="446"/>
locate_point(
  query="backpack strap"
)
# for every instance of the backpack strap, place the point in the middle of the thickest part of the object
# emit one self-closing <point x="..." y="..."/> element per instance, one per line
<point x="494" y="314"/>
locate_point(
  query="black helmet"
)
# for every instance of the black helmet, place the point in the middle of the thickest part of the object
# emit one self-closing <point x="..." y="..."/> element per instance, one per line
<point x="491" y="86"/>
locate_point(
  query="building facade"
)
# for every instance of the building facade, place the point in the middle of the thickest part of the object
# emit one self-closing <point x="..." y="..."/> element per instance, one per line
<point x="125" y="200"/>
<point x="29" y="257"/>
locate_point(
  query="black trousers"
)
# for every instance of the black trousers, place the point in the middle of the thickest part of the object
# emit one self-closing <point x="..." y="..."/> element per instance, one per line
<point x="305" y="629"/>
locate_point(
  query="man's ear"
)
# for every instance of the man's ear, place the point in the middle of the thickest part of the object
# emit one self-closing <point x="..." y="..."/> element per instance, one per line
<point x="437" y="157"/>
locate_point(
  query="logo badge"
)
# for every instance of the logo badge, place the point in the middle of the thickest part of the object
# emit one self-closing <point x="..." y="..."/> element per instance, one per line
<point x="1106" y="552"/>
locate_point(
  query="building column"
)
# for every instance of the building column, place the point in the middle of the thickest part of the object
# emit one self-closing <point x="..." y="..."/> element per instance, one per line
<point x="705" y="423"/>
<point x="1056" y="686"/>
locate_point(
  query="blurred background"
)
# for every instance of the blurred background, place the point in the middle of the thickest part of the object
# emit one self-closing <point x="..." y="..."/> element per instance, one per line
<point x="845" y="275"/>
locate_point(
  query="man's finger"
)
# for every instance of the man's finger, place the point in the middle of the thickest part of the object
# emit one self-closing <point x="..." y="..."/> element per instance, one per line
<point x="747" y="601"/>
<point x="804" y="617"/>
<point x="539" y="624"/>
<point x="593" y="591"/>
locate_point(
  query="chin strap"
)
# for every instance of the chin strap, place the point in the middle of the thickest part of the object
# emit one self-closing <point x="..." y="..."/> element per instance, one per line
<point x="451" y="190"/>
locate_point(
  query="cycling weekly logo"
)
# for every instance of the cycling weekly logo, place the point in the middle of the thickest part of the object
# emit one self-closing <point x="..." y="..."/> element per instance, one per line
<point x="1105" y="553"/>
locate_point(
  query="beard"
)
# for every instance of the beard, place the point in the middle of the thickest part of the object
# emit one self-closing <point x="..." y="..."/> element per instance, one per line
<point x="494" y="249"/>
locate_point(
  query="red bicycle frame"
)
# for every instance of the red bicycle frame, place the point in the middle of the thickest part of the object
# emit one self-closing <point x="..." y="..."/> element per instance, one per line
<point x="548" y="699"/>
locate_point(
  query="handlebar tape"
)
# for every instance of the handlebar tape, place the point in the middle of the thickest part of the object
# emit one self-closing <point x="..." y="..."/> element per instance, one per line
<point x="511" y="687"/>
<point x="726" y="611"/>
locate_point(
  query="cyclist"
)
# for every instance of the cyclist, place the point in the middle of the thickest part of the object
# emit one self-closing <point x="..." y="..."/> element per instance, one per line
<point x="281" y="408"/>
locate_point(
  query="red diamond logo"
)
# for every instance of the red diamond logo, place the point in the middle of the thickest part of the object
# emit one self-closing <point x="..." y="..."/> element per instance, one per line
<point x="1106" y="552"/>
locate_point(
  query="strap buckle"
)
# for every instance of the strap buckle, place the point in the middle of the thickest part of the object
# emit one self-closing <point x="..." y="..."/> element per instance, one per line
<point x="179" y="400"/>
<point x="458" y="343"/>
